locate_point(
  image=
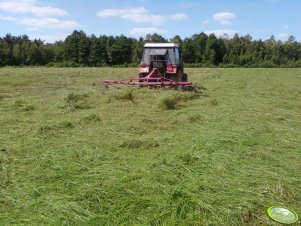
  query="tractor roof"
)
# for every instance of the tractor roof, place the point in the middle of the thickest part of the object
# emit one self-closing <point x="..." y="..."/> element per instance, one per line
<point x="161" y="45"/>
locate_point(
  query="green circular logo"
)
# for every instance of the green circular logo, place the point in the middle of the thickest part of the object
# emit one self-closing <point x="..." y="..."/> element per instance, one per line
<point x="282" y="215"/>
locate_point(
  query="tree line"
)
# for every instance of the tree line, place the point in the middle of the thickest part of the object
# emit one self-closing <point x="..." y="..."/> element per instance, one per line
<point x="199" y="50"/>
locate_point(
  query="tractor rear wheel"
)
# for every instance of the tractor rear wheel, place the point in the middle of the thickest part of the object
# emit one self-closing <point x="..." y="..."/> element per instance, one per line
<point x="142" y="75"/>
<point x="184" y="77"/>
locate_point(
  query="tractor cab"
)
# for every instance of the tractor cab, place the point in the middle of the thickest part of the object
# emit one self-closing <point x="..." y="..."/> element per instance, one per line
<point x="166" y="58"/>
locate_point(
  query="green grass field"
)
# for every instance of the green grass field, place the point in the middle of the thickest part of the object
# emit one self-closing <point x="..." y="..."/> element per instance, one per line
<point x="72" y="153"/>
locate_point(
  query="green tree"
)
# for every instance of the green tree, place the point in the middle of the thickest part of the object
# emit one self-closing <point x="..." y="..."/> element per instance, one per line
<point x="188" y="50"/>
<point x="155" y="38"/>
<point x="199" y="42"/>
<point x="17" y="54"/>
<point x="71" y="51"/>
<point x="177" y="39"/>
<point x="137" y="51"/>
<point x="213" y="54"/>
<point x="84" y="49"/>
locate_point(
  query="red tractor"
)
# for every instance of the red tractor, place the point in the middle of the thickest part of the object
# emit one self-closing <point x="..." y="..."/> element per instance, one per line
<point x="166" y="57"/>
<point x="161" y="66"/>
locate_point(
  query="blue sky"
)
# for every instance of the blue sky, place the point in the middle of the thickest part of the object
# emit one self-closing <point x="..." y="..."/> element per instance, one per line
<point x="53" y="20"/>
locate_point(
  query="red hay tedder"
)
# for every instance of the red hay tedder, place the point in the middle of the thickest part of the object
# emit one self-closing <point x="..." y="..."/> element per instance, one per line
<point x="161" y="66"/>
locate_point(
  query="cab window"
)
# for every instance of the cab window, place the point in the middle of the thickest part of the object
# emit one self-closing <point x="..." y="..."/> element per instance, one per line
<point x="177" y="55"/>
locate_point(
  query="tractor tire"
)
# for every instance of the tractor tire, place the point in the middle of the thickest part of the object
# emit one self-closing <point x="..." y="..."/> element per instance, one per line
<point x="184" y="77"/>
<point x="142" y="75"/>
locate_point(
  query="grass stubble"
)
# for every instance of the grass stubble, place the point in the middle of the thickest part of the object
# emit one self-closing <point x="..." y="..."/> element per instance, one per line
<point x="73" y="153"/>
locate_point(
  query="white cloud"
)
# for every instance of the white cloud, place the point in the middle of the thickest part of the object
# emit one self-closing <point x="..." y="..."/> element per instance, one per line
<point x="119" y="12"/>
<point x="226" y="22"/>
<point x="178" y="16"/>
<point x="151" y="18"/>
<point x="31" y="7"/>
<point x="145" y="31"/>
<point x="205" y="22"/>
<point x="37" y="16"/>
<point x="32" y="28"/>
<point x="139" y="15"/>
<point x="51" y="38"/>
<point x="36" y="23"/>
<point x="7" y="18"/>
<point x="224" y="18"/>
<point x="282" y="36"/>
<point x="222" y="32"/>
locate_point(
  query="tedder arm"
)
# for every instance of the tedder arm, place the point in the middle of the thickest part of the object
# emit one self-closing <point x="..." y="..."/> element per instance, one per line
<point x="153" y="79"/>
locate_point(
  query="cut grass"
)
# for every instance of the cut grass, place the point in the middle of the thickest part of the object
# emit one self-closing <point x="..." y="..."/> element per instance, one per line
<point x="72" y="153"/>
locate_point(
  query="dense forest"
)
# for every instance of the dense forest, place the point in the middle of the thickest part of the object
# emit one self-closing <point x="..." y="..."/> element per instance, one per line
<point x="200" y="50"/>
